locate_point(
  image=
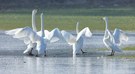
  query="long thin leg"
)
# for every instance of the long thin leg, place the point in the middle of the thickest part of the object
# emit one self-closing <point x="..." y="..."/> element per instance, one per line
<point x="37" y="55"/>
<point x="83" y="51"/>
<point x="112" y="53"/>
<point x="45" y="53"/>
<point x="30" y="53"/>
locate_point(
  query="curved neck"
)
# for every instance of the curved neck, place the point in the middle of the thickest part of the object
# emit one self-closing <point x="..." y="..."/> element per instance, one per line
<point x="42" y="25"/>
<point x="34" y="21"/>
<point x="106" y="22"/>
<point x="77" y="27"/>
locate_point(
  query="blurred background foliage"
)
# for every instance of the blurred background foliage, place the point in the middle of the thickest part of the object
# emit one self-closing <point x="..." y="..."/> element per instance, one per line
<point x="65" y="13"/>
<point x="30" y="4"/>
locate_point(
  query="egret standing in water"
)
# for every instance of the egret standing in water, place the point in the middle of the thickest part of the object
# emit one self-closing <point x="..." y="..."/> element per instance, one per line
<point x="36" y="40"/>
<point x="27" y="41"/>
<point x="76" y="41"/>
<point x="28" y="35"/>
<point x="112" y="41"/>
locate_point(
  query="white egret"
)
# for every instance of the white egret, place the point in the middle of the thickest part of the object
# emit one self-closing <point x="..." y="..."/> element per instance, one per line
<point x="31" y="45"/>
<point x="28" y="35"/>
<point x="112" y="41"/>
<point x="52" y="36"/>
<point x="27" y="41"/>
<point x="76" y="41"/>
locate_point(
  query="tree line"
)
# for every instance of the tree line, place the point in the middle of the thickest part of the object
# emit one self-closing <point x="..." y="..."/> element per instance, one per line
<point x="14" y="4"/>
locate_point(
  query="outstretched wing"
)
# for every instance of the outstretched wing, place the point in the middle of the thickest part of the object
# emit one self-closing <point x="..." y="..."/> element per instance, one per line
<point x="55" y="35"/>
<point x="110" y="45"/>
<point x="69" y="38"/>
<point x="26" y="34"/>
<point x="108" y="41"/>
<point x="84" y="32"/>
<point x="13" y="32"/>
<point x="119" y="36"/>
<point x="46" y="33"/>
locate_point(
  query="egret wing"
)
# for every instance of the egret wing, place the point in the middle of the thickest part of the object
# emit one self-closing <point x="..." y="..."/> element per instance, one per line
<point x="112" y="46"/>
<point x="108" y="41"/>
<point x="119" y="36"/>
<point x="46" y="33"/>
<point x="55" y="35"/>
<point x="13" y="32"/>
<point x="26" y="34"/>
<point x="69" y="38"/>
<point x="84" y="32"/>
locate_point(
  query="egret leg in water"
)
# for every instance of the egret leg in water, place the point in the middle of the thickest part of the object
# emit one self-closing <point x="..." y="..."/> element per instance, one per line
<point x="76" y="41"/>
<point x="45" y="53"/>
<point x="30" y="53"/>
<point x="113" y="41"/>
<point x="112" y="53"/>
<point x="83" y="51"/>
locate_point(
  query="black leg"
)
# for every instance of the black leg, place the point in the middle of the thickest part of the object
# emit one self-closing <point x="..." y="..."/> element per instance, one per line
<point x="112" y="53"/>
<point x="31" y="52"/>
<point x="45" y="53"/>
<point x="83" y="51"/>
<point x="37" y="55"/>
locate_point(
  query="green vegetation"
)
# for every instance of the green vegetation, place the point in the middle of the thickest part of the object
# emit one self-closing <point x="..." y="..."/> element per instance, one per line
<point x="123" y="18"/>
<point x="130" y="48"/>
<point x="125" y="48"/>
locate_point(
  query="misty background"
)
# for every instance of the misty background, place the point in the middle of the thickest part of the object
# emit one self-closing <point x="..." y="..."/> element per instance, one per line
<point x="41" y="4"/>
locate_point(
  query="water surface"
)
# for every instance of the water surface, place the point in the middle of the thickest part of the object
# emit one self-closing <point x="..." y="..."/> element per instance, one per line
<point x="59" y="58"/>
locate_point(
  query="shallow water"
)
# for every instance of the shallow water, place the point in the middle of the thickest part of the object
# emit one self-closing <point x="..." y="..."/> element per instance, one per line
<point x="65" y="65"/>
<point x="59" y="58"/>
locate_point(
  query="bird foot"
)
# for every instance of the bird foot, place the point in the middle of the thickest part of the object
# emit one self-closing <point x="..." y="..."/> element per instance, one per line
<point x="30" y="54"/>
<point x="45" y="55"/>
<point x="36" y="55"/>
<point x="111" y="55"/>
<point x="83" y="51"/>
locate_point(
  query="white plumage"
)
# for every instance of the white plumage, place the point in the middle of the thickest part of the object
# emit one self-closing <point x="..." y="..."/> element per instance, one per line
<point x="31" y="38"/>
<point x="76" y="41"/>
<point x="112" y="41"/>
<point x="35" y="40"/>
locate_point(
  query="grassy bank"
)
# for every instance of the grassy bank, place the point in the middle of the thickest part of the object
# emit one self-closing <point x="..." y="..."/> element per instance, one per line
<point x="66" y="18"/>
<point x="130" y="48"/>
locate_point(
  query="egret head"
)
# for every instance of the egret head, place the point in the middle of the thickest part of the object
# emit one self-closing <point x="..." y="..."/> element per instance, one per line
<point x="105" y="18"/>
<point x="34" y="11"/>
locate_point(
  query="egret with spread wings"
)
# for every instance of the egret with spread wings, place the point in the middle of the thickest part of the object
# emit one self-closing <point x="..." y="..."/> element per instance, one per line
<point x="113" y="41"/>
<point x="76" y="41"/>
<point x="29" y="36"/>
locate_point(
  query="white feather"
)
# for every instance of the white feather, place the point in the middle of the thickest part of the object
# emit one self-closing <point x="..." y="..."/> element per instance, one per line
<point x="69" y="38"/>
<point x="112" y="41"/>
<point x="119" y="36"/>
<point x="76" y="42"/>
